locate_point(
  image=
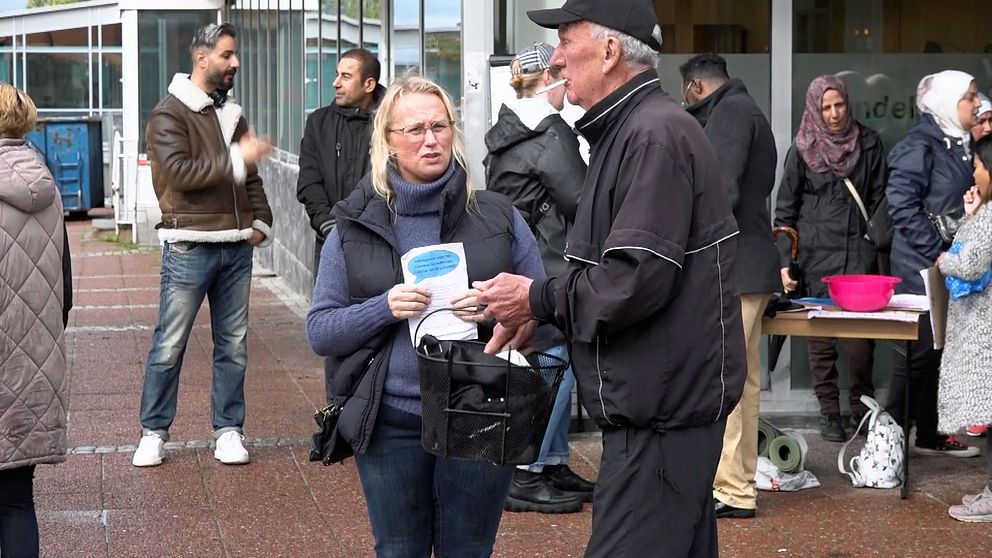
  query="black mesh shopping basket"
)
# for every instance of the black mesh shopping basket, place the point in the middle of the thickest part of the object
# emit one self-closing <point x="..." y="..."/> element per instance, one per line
<point x="480" y="407"/>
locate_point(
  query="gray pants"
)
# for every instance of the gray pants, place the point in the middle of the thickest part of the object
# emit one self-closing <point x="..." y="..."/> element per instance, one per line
<point x="654" y="496"/>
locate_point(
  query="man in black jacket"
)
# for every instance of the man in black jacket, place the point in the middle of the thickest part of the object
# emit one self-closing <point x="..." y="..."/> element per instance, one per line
<point x="745" y="147"/>
<point x="334" y="151"/>
<point x="649" y="298"/>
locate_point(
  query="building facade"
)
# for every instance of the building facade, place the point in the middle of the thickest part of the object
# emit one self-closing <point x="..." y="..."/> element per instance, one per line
<point x="114" y="58"/>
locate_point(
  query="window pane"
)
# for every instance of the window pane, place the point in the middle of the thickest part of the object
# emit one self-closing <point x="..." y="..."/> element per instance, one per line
<point x="296" y="77"/>
<point x="112" y="35"/>
<point x="329" y="47"/>
<point x="406" y="38"/>
<point x="267" y="109"/>
<point x="163" y="51"/>
<point x="442" y="45"/>
<point x="63" y="37"/>
<point x="262" y="77"/>
<point x="738" y="30"/>
<point x="113" y="95"/>
<point x="721" y="26"/>
<point x="6" y="67"/>
<point x="311" y="34"/>
<point x="881" y="50"/>
<point x="371" y="26"/>
<point x="58" y="80"/>
<point x="287" y="90"/>
<point x="351" y="31"/>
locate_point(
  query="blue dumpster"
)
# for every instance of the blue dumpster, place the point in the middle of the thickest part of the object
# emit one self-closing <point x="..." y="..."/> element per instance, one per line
<point x="73" y="150"/>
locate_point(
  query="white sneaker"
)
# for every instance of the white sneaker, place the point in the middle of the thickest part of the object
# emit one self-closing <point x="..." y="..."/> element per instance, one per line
<point x="969" y="499"/>
<point x="230" y="450"/>
<point x="151" y="450"/>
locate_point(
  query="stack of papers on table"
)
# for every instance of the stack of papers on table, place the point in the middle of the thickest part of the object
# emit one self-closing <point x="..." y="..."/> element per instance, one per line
<point x="918" y="303"/>
<point x="884" y="315"/>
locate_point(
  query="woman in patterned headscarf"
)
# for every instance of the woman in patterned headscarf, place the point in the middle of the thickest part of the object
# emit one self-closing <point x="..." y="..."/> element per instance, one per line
<point x="832" y="147"/>
<point x="929" y="171"/>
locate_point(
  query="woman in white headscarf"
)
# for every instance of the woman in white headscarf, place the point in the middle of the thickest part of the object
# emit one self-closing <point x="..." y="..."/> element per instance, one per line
<point x="929" y="172"/>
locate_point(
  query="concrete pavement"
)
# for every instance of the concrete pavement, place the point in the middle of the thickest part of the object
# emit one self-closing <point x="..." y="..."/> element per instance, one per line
<point x="98" y="505"/>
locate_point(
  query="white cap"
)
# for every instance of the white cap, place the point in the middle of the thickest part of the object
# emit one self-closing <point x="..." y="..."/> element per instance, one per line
<point x="985" y="105"/>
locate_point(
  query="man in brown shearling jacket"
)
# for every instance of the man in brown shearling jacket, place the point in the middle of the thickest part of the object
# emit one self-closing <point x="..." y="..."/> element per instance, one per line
<point x="214" y="212"/>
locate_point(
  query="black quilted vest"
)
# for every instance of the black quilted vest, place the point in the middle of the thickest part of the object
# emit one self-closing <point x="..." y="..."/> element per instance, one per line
<point x="372" y="258"/>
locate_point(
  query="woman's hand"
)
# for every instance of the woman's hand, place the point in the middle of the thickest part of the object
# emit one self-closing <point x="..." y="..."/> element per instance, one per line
<point x="788" y="283"/>
<point x="972" y="201"/>
<point x="466" y="306"/>
<point x="408" y="301"/>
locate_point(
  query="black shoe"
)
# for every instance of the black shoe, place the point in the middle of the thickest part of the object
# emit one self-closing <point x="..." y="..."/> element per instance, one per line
<point x="724" y="510"/>
<point x="531" y="492"/>
<point x="856" y="421"/>
<point x="565" y="479"/>
<point x="831" y="429"/>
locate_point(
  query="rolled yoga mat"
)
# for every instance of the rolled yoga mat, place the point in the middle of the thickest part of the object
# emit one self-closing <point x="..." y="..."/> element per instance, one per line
<point x="766" y="433"/>
<point x="786" y="453"/>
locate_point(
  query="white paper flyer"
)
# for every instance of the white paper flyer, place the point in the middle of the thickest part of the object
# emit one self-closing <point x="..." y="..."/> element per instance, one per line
<point x="441" y="268"/>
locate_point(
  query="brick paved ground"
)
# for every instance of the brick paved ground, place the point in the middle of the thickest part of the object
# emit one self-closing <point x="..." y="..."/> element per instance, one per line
<point x="98" y="505"/>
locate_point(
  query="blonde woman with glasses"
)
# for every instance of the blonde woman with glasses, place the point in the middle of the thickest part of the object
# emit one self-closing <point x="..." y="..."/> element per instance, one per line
<point x="418" y="194"/>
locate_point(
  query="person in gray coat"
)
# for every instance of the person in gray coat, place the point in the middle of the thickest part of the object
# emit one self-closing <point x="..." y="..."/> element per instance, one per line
<point x="965" y="392"/>
<point x="745" y="147"/>
<point x="34" y="287"/>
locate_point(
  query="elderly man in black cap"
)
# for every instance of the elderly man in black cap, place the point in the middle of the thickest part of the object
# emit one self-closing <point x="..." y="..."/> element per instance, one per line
<point x="648" y="299"/>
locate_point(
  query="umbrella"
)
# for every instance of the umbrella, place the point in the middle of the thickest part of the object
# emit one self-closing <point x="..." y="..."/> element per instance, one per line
<point x="776" y="342"/>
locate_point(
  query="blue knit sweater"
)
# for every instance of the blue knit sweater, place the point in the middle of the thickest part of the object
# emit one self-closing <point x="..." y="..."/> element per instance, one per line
<point x="336" y="327"/>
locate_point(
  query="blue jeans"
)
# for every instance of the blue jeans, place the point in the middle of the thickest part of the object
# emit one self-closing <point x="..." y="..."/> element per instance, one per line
<point x="190" y="271"/>
<point x="554" y="448"/>
<point x="18" y="521"/>
<point x="418" y="502"/>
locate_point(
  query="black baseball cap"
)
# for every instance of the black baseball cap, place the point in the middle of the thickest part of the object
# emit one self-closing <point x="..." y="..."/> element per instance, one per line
<point x="634" y="17"/>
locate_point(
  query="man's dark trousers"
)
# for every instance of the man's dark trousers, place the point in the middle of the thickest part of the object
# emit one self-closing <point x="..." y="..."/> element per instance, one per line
<point x="654" y="496"/>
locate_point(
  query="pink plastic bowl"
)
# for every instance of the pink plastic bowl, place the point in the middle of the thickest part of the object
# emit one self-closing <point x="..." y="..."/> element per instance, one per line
<point x="861" y="293"/>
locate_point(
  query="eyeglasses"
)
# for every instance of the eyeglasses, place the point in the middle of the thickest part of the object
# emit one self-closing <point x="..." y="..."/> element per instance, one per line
<point x="685" y="93"/>
<point x="417" y="131"/>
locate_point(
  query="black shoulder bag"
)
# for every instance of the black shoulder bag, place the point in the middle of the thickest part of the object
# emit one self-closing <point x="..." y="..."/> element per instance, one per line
<point x="326" y="444"/>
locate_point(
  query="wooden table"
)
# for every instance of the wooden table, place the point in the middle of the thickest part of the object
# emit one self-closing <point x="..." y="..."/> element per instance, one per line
<point x="799" y="324"/>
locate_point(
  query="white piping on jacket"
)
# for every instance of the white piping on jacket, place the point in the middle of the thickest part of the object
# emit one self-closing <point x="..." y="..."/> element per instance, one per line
<point x="723" y="337"/>
<point x="620" y="101"/>
<point x="646" y="250"/>
<point x="570" y="258"/>
<point x="599" y="372"/>
<point x="729" y="236"/>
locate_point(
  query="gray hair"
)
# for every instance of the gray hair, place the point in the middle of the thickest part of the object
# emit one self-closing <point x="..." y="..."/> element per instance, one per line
<point x="206" y="37"/>
<point x="635" y="51"/>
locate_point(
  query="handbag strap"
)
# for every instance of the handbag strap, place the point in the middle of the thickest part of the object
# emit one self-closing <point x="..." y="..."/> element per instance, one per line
<point x="857" y="198"/>
<point x="856" y="478"/>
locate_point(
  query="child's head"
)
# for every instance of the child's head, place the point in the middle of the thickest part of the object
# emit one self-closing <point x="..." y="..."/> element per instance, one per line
<point x="17" y="112"/>
<point x="983" y="160"/>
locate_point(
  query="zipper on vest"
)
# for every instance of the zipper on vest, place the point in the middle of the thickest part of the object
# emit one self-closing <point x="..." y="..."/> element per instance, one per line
<point x="364" y="439"/>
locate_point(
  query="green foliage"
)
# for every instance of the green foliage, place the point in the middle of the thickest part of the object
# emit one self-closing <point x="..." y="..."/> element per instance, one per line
<point x="349" y="8"/>
<point x="43" y="3"/>
<point x="125" y="245"/>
